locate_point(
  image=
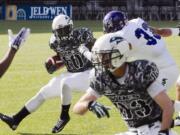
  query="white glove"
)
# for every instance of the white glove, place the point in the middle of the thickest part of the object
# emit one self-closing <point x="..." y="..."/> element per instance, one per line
<point x="18" y="40"/>
<point x="85" y="51"/>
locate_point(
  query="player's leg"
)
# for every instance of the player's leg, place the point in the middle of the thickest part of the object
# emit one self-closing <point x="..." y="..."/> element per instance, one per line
<point x="77" y="81"/>
<point x="52" y="89"/>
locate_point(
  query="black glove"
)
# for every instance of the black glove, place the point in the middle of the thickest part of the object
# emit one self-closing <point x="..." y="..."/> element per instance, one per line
<point x="98" y="109"/>
<point x="50" y="67"/>
<point x="164" y="132"/>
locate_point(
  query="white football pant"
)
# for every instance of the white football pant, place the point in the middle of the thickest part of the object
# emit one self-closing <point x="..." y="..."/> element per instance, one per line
<point x="60" y="86"/>
<point x="146" y="130"/>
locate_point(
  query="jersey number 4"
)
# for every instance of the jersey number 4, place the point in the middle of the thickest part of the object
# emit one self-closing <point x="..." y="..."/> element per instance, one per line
<point x="151" y="40"/>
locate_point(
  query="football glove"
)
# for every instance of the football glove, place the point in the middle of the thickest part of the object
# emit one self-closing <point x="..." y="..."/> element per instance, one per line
<point x="99" y="109"/>
<point x="164" y="132"/>
<point x="18" y="40"/>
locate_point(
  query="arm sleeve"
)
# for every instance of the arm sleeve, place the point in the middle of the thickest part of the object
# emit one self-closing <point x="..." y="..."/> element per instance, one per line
<point x="155" y="88"/>
<point x="151" y="75"/>
<point x="88" y="55"/>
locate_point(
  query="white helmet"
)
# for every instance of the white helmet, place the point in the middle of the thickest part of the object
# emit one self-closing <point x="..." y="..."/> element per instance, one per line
<point x="62" y="26"/>
<point x="110" y="51"/>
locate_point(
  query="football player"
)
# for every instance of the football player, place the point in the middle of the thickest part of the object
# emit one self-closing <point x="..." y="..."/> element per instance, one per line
<point x="65" y="41"/>
<point x="132" y="87"/>
<point x="15" y="42"/>
<point x="147" y="43"/>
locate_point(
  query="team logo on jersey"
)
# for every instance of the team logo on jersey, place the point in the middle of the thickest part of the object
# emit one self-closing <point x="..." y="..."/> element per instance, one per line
<point x="164" y="81"/>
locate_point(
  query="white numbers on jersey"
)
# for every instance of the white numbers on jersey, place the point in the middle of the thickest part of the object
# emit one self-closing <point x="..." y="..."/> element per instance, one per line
<point x="138" y="107"/>
<point x="75" y="61"/>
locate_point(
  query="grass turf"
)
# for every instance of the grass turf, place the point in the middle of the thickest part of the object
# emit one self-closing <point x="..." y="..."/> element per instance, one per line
<point x="27" y="75"/>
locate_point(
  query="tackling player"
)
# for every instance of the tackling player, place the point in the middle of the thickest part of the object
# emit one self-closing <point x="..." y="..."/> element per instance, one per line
<point x="14" y="44"/>
<point x="147" y="43"/>
<point x="132" y="87"/>
<point x="65" y="41"/>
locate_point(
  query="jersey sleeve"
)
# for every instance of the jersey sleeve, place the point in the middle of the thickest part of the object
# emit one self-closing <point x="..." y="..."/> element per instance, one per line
<point x="138" y="21"/>
<point x="151" y="73"/>
<point x="95" y="84"/>
<point x="155" y="88"/>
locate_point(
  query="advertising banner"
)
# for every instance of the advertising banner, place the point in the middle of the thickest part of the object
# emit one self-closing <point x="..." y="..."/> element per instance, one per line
<point x="11" y="12"/>
<point x="42" y="12"/>
<point x="2" y="11"/>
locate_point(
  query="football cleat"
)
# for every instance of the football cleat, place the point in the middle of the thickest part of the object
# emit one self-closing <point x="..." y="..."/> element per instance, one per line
<point x="60" y="125"/>
<point x="9" y="121"/>
<point x="177" y="121"/>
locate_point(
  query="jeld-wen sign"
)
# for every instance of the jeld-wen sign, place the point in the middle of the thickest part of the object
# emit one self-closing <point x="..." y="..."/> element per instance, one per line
<point x="42" y="12"/>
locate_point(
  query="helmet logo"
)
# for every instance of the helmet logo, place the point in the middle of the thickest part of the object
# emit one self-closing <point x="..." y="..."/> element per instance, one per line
<point x="116" y="39"/>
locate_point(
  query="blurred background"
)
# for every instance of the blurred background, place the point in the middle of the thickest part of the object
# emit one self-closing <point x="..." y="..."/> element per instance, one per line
<point x="88" y="9"/>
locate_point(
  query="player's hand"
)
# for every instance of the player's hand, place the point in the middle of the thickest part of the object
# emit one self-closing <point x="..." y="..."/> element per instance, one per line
<point x="99" y="109"/>
<point x="164" y="132"/>
<point x="17" y="41"/>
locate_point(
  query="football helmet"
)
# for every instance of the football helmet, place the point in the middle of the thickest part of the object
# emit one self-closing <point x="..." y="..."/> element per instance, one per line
<point x="110" y="51"/>
<point x="114" y="21"/>
<point x="62" y="26"/>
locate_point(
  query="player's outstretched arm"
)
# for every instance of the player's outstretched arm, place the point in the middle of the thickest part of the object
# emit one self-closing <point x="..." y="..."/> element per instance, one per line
<point x="87" y="102"/>
<point x="166" y="32"/>
<point x="15" y="43"/>
<point x="166" y="105"/>
<point x="81" y="107"/>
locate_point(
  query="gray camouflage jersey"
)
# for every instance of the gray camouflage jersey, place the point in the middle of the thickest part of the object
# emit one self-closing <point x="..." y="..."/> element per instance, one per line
<point x="67" y="48"/>
<point x="130" y="94"/>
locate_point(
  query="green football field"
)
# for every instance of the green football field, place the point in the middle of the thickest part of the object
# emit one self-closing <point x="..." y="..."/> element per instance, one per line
<point x="27" y="75"/>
